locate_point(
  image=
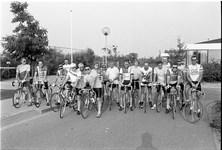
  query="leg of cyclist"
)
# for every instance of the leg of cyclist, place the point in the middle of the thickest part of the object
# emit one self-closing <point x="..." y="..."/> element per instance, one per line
<point x="99" y="101"/>
<point x="116" y="93"/>
<point x="121" y="98"/>
<point x="130" y="98"/>
<point x="155" y="96"/>
<point x="142" y="96"/>
<point x="168" y="100"/>
<point x="27" y="86"/>
<point x="150" y="95"/>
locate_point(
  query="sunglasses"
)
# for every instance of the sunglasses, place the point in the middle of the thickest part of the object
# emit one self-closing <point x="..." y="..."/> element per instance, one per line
<point x="86" y="69"/>
<point x="175" y="67"/>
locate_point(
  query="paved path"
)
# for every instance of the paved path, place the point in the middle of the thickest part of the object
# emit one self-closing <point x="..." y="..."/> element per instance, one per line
<point x="114" y="130"/>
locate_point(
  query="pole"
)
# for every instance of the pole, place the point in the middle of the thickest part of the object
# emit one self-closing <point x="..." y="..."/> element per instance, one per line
<point x="106" y="53"/>
<point x="71" y="36"/>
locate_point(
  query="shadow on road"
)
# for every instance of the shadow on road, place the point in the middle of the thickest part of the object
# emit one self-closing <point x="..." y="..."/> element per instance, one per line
<point x="146" y="142"/>
<point x="6" y="94"/>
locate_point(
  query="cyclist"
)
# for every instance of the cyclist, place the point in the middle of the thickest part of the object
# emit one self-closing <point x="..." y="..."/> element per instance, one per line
<point x="166" y="63"/>
<point x="183" y="69"/>
<point x="146" y="73"/>
<point x="22" y="75"/>
<point x="61" y="74"/>
<point x="97" y="86"/>
<point x="125" y="78"/>
<point x="41" y="76"/>
<point x="112" y="74"/>
<point x="194" y="74"/>
<point x="173" y="80"/>
<point x="79" y="84"/>
<point x="136" y="77"/>
<point x="159" y="77"/>
<point x="70" y="81"/>
<point x="66" y="65"/>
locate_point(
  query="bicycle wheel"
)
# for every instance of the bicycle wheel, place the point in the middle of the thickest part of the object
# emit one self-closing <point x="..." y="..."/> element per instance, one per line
<point x="193" y="113"/>
<point x="172" y="105"/>
<point x="75" y="107"/>
<point x="110" y="100"/>
<point x="134" y="97"/>
<point x="39" y="96"/>
<point x="125" y="102"/>
<point x="55" y="102"/>
<point x="62" y="107"/>
<point x="84" y="107"/>
<point x="145" y="101"/>
<point x="159" y="102"/>
<point x="17" y="98"/>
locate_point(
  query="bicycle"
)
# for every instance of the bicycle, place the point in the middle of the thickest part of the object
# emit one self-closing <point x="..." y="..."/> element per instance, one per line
<point x="88" y="102"/>
<point x="20" y="96"/>
<point x="125" y="102"/>
<point x="135" y="94"/>
<point x="39" y="95"/>
<point x="173" y="102"/>
<point x="111" y="95"/>
<point x="193" y="108"/>
<point x="146" y="94"/>
<point x="160" y="97"/>
<point x="65" y="101"/>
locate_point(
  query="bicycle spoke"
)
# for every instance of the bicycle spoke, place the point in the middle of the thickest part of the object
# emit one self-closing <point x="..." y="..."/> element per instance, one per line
<point x="17" y="98"/>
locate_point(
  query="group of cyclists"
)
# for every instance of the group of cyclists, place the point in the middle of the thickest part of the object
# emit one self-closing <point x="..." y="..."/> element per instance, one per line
<point x="101" y="77"/>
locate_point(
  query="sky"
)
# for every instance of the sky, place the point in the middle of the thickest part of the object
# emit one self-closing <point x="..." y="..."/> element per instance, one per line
<point x="143" y="27"/>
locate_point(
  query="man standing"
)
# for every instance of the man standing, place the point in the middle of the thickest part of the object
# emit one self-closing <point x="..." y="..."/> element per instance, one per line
<point x="66" y="66"/>
<point x="22" y="75"/>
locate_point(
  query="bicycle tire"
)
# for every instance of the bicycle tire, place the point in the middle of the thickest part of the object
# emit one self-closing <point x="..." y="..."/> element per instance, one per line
<point x="145" y="101"/>
<point x="135" y="97"/>
<point x="159" y="102"/>
<point x="110" y="100"/>
<point x="17" y="96"/>
<point x="84" y="109"/>
<point x="191" y="116"/>
<point x="38" y="97"/>
<point x="125" y="102"/>
<point x="54" y="102"/>
<point x="173" y="108"/>
<point x="75" y="107"/>
<point x="62" y="107"/>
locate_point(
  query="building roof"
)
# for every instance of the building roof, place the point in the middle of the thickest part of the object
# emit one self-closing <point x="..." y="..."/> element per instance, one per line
<point x="210" y="41"/>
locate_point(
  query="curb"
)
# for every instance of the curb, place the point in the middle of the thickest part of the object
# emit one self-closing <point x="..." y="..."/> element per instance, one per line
<point x="214" y="131"/>
<point x="43" y="109"/>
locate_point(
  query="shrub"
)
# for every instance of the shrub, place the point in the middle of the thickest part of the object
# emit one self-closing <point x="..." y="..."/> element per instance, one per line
<point x="217" y="116"/>
<point x="212" y="71"/>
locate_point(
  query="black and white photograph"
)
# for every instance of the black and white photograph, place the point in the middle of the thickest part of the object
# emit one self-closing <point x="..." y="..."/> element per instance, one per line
<point x="110" y="75"/>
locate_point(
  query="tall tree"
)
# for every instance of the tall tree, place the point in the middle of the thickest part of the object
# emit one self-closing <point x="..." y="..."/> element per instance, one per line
<point x="179" y="53"/>
<point x="28" y="39"/>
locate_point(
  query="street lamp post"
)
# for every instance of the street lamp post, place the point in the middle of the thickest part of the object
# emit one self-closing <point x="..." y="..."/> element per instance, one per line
<point x="71" y="35"/>
<point x="106" y="32"/>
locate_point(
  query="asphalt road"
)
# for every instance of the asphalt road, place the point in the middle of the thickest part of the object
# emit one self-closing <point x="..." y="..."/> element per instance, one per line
<point x="114" y="130"/>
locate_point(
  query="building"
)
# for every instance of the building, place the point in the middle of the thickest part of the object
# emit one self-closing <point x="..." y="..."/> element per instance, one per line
<point x="205" y="51"/>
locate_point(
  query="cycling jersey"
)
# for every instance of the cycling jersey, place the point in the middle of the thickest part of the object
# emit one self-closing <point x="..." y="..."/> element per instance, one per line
<point x="160" y="74"/>
<point x="126" y="72"/>
<point x="22" y="70"/>
<point x="80" y="75"/>
<point x="73" y="76"/>
<point x="112" y="73"/>
<point x="97" y="74"/>
<point x="41" y="73"/>
<point x="66" y="67"/>
<point x="136" y="72"/>
<point x="173" y="75"/>
<point x="146" y="74"/>
<point x="194" y="71"/>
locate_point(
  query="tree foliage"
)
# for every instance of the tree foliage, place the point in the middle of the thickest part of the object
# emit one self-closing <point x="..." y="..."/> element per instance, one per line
<point x="28" y="39"/>
<point x="177" y="54"/>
